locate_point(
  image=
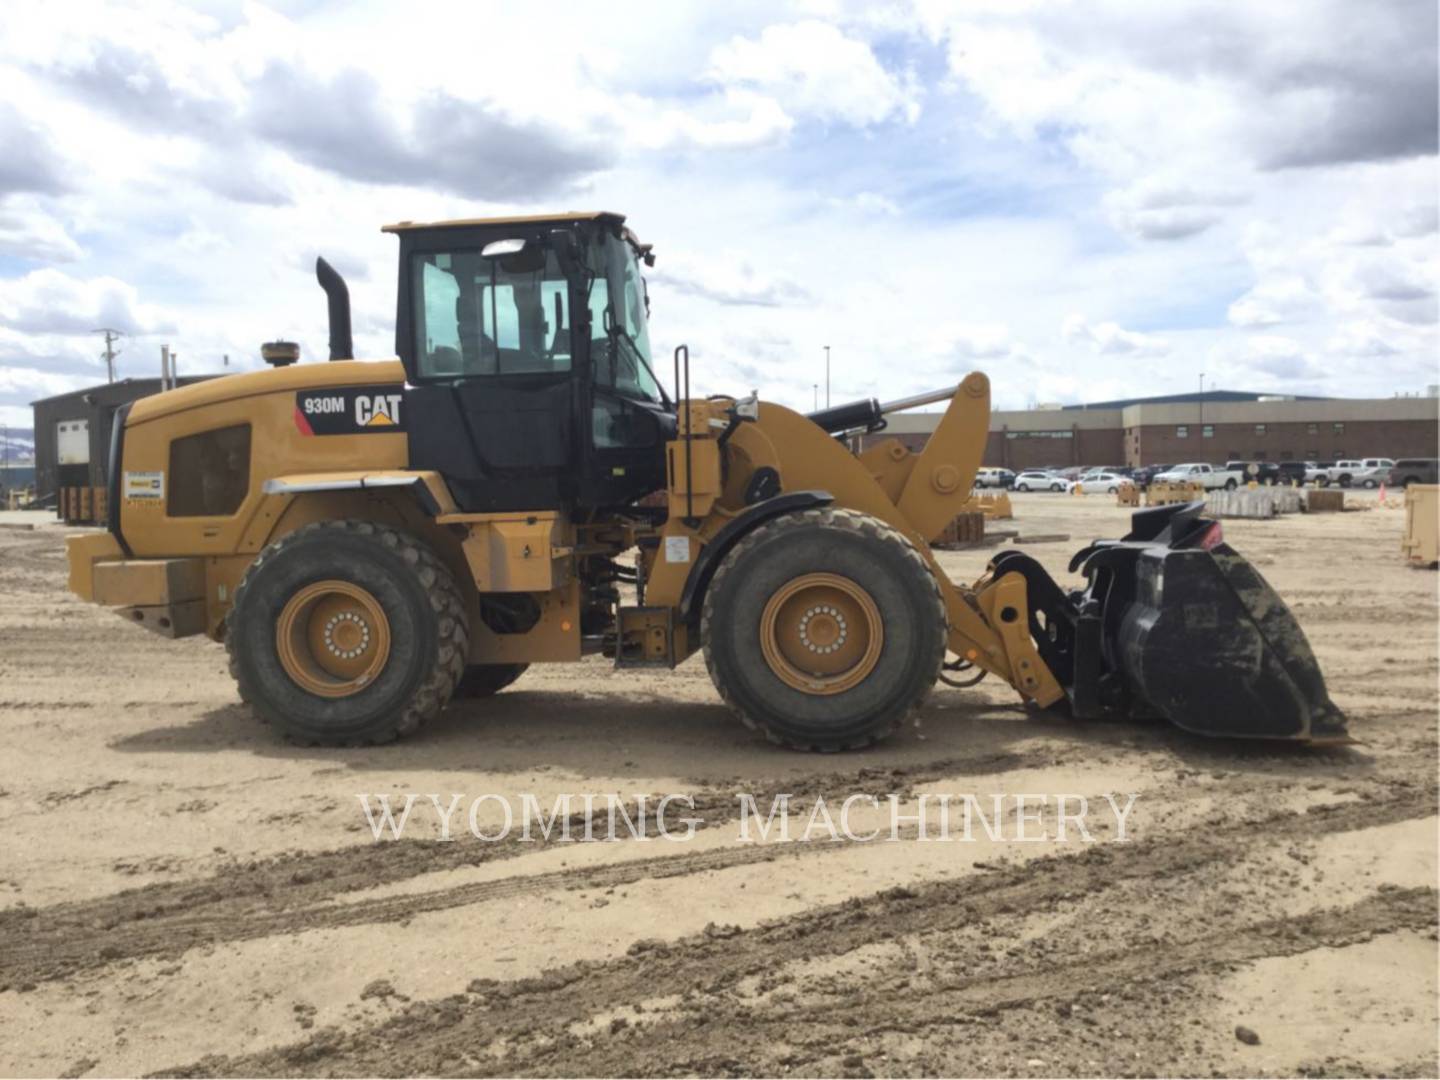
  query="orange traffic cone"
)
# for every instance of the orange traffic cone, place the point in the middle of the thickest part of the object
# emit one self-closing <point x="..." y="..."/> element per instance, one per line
<point x="1382" y="492"/>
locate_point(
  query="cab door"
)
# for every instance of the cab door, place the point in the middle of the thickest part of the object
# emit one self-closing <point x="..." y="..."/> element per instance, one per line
<point x="493" y="406"/>
<point x="628" y="418"/>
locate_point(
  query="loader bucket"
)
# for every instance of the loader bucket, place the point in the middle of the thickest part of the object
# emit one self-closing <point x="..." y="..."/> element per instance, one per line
<point x="1175" y="623"/>
<point x="1204" y="640"/>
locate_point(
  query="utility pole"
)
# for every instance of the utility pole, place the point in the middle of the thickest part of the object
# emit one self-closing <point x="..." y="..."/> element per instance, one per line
<point x="110" y="353"/>
<point x="827" y="376"/>
<point x="1202" y="405"/>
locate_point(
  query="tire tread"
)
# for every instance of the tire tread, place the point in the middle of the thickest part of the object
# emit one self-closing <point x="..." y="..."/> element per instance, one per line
<point x="444" y="595"/>
<point x="835" y="517"/>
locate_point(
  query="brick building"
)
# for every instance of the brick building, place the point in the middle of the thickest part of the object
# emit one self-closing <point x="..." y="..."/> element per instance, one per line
<point x="1224" y="426"/>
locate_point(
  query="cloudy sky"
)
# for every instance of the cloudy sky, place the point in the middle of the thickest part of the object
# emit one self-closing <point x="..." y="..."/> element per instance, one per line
<point x="1085" y="199"/>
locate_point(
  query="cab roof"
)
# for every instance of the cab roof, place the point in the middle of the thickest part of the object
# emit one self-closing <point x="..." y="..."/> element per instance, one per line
<point x="516" y="219"/>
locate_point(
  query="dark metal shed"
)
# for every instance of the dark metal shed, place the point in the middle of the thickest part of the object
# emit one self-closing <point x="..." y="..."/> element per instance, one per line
<point x="72" y="432"/>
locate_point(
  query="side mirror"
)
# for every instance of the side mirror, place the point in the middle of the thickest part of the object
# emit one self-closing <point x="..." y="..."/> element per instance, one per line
<point x="497" y="248"/>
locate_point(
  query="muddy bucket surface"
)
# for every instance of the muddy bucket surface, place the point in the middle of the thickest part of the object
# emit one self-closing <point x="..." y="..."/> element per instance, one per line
<point x="1211" y="646"/>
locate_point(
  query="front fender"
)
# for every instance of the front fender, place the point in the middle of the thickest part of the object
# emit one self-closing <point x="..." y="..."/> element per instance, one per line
<point x="692" y="597"/>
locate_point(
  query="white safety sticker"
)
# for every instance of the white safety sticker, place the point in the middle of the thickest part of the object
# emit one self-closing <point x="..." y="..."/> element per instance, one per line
<point x="677" y="549"/>
<point x="144" y="485"/>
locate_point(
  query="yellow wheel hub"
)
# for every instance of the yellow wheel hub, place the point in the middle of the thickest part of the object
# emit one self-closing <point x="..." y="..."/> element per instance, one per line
<point x="821" y="633"/>
<point x="333" y="638"/>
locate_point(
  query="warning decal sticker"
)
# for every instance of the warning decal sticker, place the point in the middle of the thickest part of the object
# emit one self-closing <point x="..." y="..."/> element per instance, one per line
<point x="144" y="485"/>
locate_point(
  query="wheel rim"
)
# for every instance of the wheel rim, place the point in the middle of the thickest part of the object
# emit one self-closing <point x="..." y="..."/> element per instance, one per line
<point x="821" y="633"/>
<point x="333" y="638"/>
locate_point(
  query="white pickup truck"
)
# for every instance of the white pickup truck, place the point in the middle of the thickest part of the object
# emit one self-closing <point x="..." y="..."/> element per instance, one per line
<point x="1367" y="472"/>
<point x="1200" y="473"/>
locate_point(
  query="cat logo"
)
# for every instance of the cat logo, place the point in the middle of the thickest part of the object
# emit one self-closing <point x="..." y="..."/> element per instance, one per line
<point x="380" y="410"/>
<point x="358" y="410"/>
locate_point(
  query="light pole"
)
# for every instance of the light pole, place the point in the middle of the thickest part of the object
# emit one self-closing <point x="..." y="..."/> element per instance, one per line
<point x="1202" y="405"/>
<point x="827" y="376"/>
<point x="816" y="388"/>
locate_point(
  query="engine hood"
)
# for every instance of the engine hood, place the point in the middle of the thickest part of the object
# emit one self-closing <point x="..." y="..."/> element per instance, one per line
<point x="340" y="373"/>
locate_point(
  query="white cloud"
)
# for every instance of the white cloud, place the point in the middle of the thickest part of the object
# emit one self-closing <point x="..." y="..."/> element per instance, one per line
<point x="737" y="119"/>
<point x="1118" y="157"/>
<point x="1266" y="362"/>
<point x="1363" y="341"/>
<point x="812" y="68"/>
<point x="866" y="202"/>
<point x="29" y="232"/>
<point x="34" y="383"/>
<point x="1160" y="208"/>
<point x="52" y="302"/>
<point x="970" y="341"/>
<point x="1278" y="299"/>
<point x="729" y="278"/>
<point x="1111" y="339"/>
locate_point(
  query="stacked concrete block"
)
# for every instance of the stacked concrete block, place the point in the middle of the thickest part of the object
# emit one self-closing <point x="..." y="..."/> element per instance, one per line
<point x="1253" y="503"/>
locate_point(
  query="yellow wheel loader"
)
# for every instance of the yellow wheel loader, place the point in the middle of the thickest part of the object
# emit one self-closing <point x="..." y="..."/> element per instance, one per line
<point x="371" y="539"/>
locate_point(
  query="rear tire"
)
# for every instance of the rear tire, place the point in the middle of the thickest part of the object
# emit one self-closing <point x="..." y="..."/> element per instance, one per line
<point x="824" y="629"/>
<point x="487" y="680"/>
<point x="288" y="644"/>
<point x="1230" y="485"/>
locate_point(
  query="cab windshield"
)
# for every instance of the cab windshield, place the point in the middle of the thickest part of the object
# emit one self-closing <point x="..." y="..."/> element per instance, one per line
<point x="619" y="334"/>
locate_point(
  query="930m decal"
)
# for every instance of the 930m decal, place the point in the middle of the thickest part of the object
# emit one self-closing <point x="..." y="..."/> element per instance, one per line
<point x="352" y="410"/>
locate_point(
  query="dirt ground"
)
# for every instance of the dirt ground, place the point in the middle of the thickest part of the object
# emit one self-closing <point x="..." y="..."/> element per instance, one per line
<point x="184" y="893"/>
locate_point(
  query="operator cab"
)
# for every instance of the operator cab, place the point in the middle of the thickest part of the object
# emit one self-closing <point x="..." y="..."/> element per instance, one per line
<point x="527" y="353"/>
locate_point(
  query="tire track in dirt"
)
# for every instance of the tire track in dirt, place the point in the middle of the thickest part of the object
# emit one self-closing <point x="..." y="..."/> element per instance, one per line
<point x="284" y="894"/>
<point x="712" y="1035"/>
<point x="442" y="1036"/>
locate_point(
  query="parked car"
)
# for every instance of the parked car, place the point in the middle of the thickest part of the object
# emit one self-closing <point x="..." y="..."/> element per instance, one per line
<point x="1098" y="480"/>
<point x="1036" y="480"/>
<point x="1364" y="472"/>
<point x="1197" y="472"/>
<point x="1409" y="471"/>
<point x="994" y="478"/>
<point x="1145" y="473"/>
<point x="1318" y="472"/>
<point x="1260" y="472"/>
<point x="1293" y="472"/>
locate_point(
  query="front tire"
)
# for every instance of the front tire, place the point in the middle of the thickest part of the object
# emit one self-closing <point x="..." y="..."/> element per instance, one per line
<point x="1230" y="485"/>
<point x="824" y="629"/>
<point x="1022" y="487"/>
<point x="347" y="633"/>
<point x="1057" y="487"/>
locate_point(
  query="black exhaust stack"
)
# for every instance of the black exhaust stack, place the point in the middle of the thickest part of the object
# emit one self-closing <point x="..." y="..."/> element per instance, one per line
<point x="342" y="346"/>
